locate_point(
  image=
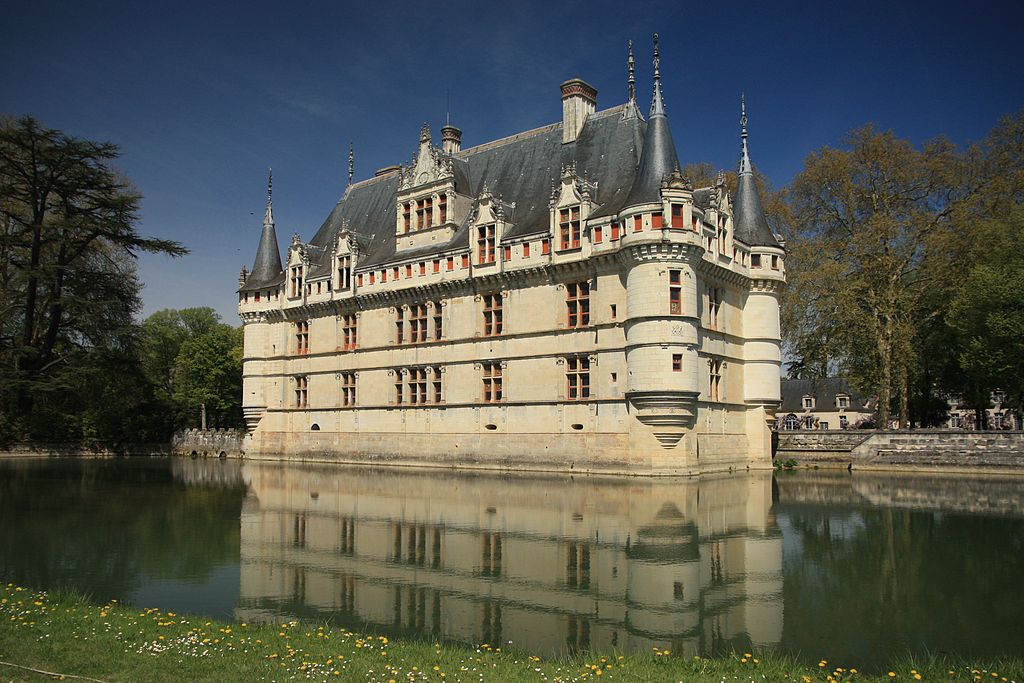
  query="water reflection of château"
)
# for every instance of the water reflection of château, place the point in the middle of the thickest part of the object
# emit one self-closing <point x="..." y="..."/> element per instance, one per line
<point x="551" y="564"/>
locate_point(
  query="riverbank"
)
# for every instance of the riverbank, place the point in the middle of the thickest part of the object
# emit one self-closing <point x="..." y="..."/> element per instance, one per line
<point x="44" y="636"/>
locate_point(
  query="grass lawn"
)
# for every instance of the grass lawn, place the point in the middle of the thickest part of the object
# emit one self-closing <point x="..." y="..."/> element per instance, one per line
<point x="66" y="634"/>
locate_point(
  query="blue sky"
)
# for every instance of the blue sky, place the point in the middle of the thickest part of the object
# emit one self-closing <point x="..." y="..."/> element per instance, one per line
<point x="203" y="97"/>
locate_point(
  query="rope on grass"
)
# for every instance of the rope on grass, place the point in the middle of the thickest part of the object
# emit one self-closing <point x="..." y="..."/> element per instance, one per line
<point x="52" y="673"/>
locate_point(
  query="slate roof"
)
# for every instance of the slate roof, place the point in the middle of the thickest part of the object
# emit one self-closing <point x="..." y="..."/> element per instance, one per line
<point x="751" y="225"/>
<point x="266" y="270"/>
<point x="519" y="170"/>
<point x="824" y="391"/>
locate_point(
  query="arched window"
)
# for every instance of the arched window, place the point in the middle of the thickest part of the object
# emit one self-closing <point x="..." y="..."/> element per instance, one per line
<point x="791" y="422"/>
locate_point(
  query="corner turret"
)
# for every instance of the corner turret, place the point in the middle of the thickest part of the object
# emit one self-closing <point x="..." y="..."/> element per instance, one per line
<point x="267" y="267"/>
<point x="751" y="225"/>
<point x="658" y="158"/>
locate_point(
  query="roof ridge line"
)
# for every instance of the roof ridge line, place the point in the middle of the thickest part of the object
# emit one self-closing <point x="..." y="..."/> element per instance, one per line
<point x="484" y="146"/>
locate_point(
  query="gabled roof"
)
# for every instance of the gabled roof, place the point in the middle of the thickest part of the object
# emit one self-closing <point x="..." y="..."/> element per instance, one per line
<point x="824" y="390"/>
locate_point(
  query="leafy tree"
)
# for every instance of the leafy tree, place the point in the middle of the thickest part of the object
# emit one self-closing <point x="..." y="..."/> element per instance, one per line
<point x="68" y="243"/>
<point x="867" y="229"/>
<point x="162" y="335"/>
<point x="208" y="371"/>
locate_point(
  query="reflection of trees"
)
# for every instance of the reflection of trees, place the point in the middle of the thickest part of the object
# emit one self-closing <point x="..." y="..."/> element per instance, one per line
<point x="105" y="526"/>
<point x="873" y="583"/>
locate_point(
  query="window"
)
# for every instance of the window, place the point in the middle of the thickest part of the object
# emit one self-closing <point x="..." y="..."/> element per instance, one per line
<point x="808" y="402"/>
<point x="399" y="326"/>
<point x="373" y="277"/>
<point x="301" y="391"/>
<point x="492" y="315"/>
<point x="438" y="328"/>
<point x="526" y="249"/>
<point x="383" y="275"/>
<point x="675" y="292"/>
<point x="638" y="223"/>
<point x="302" y="337"/>
<point x="399" y="389"/>
<point x="677" y="216"/>
<point x="492" y="382"/>
<point x="437" y="384"/>
<point x="577" y="301"/>
<point x="755" y="260"/>
<point x="657" y="221"/>
<point x="714" y="301"/>
<point x="577" y="376"/>
<point x="451" y="263"/>
<point x="844" y="422"/>
<point x="615" y="231"/>
<point x="485" y="244"/>
<point x="723" y="234"/>
<point x="545" y="247"/>
<point x="465" y="260"/>
<point x="507" y="254"/>
<point x="348" y="389"/>
<point x="715" y="385"/>
<point x="417" y="381"/>
<point x="614" y="311"/>
<point x="406" y="213"/>
<point x="408" y="270"/>
<point x="348" y="331"/>
<point x="295" y="278"/>
<point x="791" y="422"/>
<point x="394" y="273"/>
<point x="424" y="213"/>
<point x="598" y="234"/>
<point x="842" y="401"/>
<point x="423" y="267"/>
<point x="257" y="298"/>
<point x="417" y="323"/>
<point x="569" y="227"/>
<point x="359" y="280"/>
<point x="437" y="265"/>
<point x="677" y="362"/>
<point x="775" y="262"/>
<point x="823" y="425"/>
<point x="997" y="420"/>
<point x="442" y="209"/>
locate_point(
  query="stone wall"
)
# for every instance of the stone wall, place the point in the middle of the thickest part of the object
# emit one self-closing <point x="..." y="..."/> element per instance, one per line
<point x="64" y="450"/>
<point x="208" y="442"/>
<point x="926" y="450"/>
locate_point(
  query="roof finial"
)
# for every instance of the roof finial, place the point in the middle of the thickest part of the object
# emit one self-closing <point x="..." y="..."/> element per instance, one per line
<point x="351" y="162"/>
<point x="268" y="215"/>
<point x="745" y="158"/>
<point x="632" y="76"/>
<point x="657" y="104"/>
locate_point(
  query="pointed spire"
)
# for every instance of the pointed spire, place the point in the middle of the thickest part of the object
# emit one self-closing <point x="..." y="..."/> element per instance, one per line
<point x="657" y="103"/>
<point x="631" y="63"/>
<point x="658" y="157"/>
<point x="351" y="162"/>
<point x="745" y="157"/>
<point x="268" y="255"/>
<point x="751" y="226"/>
<point x="268" y="215"/>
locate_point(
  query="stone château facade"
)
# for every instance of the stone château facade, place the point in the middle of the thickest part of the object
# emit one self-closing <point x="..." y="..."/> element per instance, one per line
<point x="558" y="299"/>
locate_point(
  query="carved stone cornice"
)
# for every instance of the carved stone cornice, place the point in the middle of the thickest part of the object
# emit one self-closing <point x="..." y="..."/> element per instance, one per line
<point x="766" y="285"/>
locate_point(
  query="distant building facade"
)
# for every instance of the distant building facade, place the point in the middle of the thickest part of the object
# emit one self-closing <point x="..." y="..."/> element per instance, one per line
<point x="998" y="416"/>
<point x="559" y="299"/>
<point x="827" y="403"/>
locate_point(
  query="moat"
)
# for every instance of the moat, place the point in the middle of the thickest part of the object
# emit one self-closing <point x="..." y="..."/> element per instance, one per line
<point x="859" y="568"/>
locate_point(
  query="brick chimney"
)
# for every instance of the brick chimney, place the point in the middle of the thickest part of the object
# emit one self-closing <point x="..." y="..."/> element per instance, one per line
<point x="579" y="99"/>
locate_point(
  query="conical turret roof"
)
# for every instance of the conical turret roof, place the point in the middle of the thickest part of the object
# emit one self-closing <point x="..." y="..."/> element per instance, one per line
<point x="658" y="158"/>
<point x="267" y="268"/>
<point x="751" y="225"/>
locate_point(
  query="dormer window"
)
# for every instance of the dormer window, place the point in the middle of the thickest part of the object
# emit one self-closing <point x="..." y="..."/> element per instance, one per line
<point x="485" y="244"/>
<point x="344" y="272"/>
<point x="406" y="217"/>
<point x="295" y="278"/>
<point x="808" y="402"/>
<point x="424" y="213"/>
<point x="442" y="209"/>
<point x="569" y="227"/>
<point x="842" y="402"/>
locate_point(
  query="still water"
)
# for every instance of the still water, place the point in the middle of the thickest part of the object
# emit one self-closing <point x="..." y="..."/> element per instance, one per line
<point x="856" y="568"/>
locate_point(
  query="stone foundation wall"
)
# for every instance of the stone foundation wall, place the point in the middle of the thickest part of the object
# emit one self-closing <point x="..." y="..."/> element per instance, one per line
<point x="826" y="448"/>
<point x="230" y="442"/>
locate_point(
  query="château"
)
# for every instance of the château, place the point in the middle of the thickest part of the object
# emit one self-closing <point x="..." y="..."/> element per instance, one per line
<point x="560" y="299"/>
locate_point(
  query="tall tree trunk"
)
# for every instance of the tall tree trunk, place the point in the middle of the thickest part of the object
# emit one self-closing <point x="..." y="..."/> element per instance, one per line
<point x="904" y="396"/>
<point x="885" y="387"/>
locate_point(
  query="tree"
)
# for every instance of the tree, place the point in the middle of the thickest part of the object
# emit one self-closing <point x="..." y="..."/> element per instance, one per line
<point x="162" y="336"/>
<point x="867" y="233"/>
<point x="208" y="371"/>
<point x="68" y="244"/>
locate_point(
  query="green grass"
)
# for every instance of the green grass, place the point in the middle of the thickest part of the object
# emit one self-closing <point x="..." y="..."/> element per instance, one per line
<point x="69" y="635"/>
